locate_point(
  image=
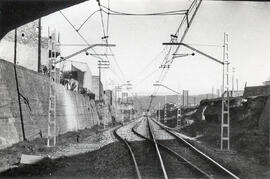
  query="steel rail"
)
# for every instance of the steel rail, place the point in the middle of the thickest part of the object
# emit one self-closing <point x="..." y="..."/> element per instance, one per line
<point x="197" y="151"/>
<point x="157" y="150"/>
<point x="130" y="151"/>
<point x="174" y="154"/>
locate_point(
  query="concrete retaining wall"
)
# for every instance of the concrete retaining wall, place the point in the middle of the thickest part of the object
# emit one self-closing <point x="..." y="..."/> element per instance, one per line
<point x="74" y="111"/>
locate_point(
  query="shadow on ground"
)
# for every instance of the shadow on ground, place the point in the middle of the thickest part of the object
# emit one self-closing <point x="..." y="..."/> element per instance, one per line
<point x="110" y="161"/>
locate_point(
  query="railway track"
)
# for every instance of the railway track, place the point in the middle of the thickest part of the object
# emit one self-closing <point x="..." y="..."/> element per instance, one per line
<point x="169" y="158"/>
<point x="210" y="167"/>
<point x="176" y="162"/>
<point x="144" y="158"/>
<point x="138" y="173"/>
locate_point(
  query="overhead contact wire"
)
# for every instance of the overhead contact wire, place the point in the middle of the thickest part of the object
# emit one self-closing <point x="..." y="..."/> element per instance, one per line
<point x="79" y="33"/>
<point x="87" y="19"/>
<point x="114" y="12"/>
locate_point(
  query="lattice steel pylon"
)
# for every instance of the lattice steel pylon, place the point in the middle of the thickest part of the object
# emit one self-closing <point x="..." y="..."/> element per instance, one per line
<point x="165" y="110"/>
<point x="158" y="111"/>
<point x="178" y="121"/>
<point x="51" y="139"/>
<point x="225" y="116"/>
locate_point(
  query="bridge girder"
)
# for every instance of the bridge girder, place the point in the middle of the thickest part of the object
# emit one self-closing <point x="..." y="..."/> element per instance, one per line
<point x="15" y="13"/>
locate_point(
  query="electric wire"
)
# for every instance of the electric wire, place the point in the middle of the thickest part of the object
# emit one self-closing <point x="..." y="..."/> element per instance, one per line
<point x="102" y="23"/>
<point x="190" y="21"/>
<point x="106" y="51"/>
<point x="166" y="59"/>
<point x="108" y="22"/>
<point x="113" y="12"/>
<point x="117" y="65"/>
<point x="177" y="12"/>
<point x="163" y="66"/>
<point x="148" y="75"/>
<point x="151" y="62"/>
<point x="119" y="14"/>
<point x="166" y="13"/>
<point x="103" y="28"/>
<point x="79" y="34"/>
<point x="206" y="45"/>
<point x="184" y="33"/>
<point x="108" y="18"/>
<point x="87" y="19"/>
<point x="119" y="79"/>
<point x="155" y="70"/>
<point x="114" y="72"/>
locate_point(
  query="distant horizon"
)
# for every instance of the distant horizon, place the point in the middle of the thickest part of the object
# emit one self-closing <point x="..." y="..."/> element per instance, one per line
<point x="170" y="94"/>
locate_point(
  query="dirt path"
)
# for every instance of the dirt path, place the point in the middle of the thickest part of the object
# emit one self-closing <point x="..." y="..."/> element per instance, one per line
<point x="67" y="145"/>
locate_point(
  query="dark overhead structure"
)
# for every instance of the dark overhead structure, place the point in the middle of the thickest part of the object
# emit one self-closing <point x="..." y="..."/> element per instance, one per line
<point x="15" y="13"/>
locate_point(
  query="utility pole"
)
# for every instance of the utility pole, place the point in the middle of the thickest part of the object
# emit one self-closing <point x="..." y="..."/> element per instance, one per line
<point x="115" y="101"/>
<point x="99" y="83"/>
<point x="165" y="110"/>
<point x="187" y="98"/>
<point x="158" y="111"/>
<point x="183" y="98"/>
<point x="17" y="85"/>
<point x="237" y="87"/>
<point x="178" y="116"/>
<point x="117" y="90"/>
<point x="52" y="92"/>
<point x="53" y="79"/>
<point x="217" y="93"/>
<point x="102" y="64"/>
<point x="225" y="118"/>
<point x="39" y="45"/>
<point x="233" y="71"/>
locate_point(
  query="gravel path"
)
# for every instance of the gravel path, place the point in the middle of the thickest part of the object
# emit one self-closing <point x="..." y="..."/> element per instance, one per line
<point x="177" y="133"/>
<point x="142" y="128"/>
<point x="159" y="133"/>
<point x="126" y="131"/>
<point x="89" y="144"/>
<point x="90" y="140"/>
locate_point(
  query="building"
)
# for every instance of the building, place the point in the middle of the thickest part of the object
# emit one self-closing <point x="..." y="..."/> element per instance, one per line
<point x="79" y="71"/>
<point x="95" y="87"/>
<point x="108" y="97"/>
<point x="27" y="47"/>
<point x="124" y="97"/>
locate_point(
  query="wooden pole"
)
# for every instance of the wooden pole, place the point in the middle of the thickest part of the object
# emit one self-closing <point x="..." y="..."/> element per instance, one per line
<point x="39" y="45"/>
<point x="17" y="85"/>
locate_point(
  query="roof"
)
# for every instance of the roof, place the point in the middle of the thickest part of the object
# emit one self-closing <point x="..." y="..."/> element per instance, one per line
<point x="15" y="13"/>
<point x="80" y="65"/>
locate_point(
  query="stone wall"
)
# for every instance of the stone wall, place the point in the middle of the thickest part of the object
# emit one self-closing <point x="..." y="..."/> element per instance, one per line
<point x="74" y="111"/>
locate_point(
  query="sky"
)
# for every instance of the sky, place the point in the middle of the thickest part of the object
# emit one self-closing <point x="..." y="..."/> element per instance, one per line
<point x="138" y="40"/>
